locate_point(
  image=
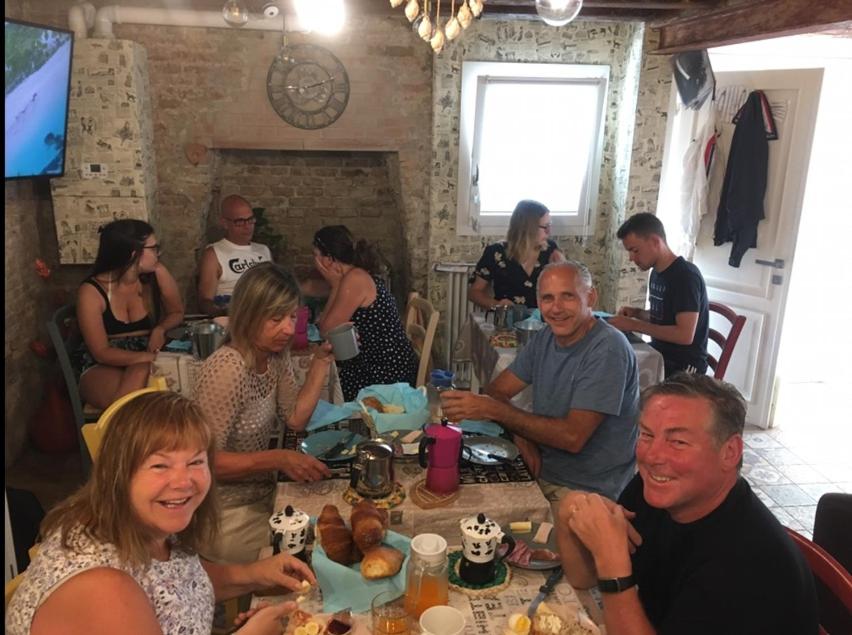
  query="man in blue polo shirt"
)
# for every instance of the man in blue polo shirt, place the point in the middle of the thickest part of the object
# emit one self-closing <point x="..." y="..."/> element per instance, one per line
<point x="581" y="433"/>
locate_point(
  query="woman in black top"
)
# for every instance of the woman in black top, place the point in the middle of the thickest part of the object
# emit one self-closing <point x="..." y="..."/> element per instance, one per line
<point x="124" y="309"/>
<point x="511" y="267"/>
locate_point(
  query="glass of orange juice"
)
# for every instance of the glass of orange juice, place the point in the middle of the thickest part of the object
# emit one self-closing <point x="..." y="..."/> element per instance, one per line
<point x="389" y="614"/>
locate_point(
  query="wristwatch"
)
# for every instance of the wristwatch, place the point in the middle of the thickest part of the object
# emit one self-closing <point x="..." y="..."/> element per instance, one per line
<point x="616" y="585"/>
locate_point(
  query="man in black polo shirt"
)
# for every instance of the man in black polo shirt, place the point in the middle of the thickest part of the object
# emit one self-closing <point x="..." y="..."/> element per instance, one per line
<point x="678" y="321"/>
<point x="688" y="549"/>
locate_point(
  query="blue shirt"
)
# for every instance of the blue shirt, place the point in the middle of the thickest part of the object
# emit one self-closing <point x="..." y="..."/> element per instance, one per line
<point x="597" y="373"/>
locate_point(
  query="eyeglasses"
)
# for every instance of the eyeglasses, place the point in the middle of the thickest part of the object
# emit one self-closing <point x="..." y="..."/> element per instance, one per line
<point x="546" y="227"/>
<point x="242" y="222"/>
<point x="157" y="248"/>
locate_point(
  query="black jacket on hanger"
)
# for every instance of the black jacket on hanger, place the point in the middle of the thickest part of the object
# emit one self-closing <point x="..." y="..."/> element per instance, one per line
<point x="741" y="203"/>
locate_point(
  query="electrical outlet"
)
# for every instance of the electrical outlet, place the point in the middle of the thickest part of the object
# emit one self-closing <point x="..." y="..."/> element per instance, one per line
<point x="94" y="170"/>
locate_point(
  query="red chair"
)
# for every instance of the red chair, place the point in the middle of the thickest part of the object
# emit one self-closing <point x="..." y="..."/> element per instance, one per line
<point x="726" y="344"/>
<point x="827" y="570"/>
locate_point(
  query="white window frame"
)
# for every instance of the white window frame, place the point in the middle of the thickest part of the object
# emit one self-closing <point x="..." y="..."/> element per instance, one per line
<point x="475" y="77"/>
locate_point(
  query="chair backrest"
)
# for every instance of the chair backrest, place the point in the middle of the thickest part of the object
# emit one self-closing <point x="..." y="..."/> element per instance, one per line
<point x="825" y="569"/>
<point x="93" y="433"/>
<point x="65" y="337"/>
<point x="421" y="322"/>
<point x="726" y="343"/>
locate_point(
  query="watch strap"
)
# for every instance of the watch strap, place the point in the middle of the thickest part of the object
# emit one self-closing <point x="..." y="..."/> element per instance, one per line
<point x="616" y="585"/>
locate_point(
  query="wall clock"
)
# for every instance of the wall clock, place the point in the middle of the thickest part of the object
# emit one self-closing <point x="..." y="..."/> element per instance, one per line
<point x="307" y="86"/>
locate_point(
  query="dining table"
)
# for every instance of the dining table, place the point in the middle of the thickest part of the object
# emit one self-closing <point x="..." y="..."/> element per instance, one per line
<point x="489" y="360"/>
<point x="485" y="613"/>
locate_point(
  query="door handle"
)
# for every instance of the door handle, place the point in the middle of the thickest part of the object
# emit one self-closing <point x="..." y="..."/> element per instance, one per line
<point x="778" y="263"/>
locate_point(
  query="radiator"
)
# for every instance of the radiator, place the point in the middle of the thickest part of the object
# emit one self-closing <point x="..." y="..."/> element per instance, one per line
<point x="458" y="307"/>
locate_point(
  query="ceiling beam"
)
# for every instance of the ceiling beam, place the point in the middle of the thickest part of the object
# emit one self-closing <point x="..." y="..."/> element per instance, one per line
<point x="752" y="21"/>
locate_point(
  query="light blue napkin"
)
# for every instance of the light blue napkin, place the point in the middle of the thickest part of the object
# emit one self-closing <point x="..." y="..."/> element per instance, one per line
<point x="314" y="333"/>
<point x="536" y="314"/>
<point x="327" y="413"/>
<point x="603" y="314"/>
<point x="179" y="346"/>
<point x="488" y="428"/>
<point x="412" y="399"/>
<point x="345" y="587"/>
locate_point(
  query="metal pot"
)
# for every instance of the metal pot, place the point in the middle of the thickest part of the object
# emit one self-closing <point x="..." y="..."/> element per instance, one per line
<point x="206" y="337"/>
<point x="526" y="329"/>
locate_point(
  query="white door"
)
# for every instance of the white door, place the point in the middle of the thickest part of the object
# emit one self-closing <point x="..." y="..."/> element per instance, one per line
<point x="758" y="288"/>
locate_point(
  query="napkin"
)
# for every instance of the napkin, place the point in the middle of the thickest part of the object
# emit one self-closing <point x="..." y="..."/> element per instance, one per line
<point x="314" y="333"/>
<point x="603" y="314"/>
<point x="481" y="427"/>
<point x="536" y="315"/>
<point x="179" y="346"/>
<point x="344" y="587"/>
<point x="327" y="413"/>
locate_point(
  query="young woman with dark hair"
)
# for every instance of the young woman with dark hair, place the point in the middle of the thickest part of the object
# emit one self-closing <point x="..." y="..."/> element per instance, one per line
<point x="359" y="295"/>
<point x="124" y="309"/>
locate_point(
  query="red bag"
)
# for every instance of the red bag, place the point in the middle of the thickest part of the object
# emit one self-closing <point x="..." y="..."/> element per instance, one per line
<point x="300" y="338"/>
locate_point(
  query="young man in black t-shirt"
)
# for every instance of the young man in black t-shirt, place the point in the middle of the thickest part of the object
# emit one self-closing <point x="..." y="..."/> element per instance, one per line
<point x="678" y="321"/>
<point x="688" y="549"/>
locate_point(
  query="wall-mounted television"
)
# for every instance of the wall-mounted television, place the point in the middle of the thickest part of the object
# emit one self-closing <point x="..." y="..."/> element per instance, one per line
<point x="38" y="80"/>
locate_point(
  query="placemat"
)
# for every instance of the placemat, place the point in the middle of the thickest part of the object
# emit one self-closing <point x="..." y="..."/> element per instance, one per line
<point x="426" y="499"/>
<point x="475" y="474"/>
<point x="502" y="578"/>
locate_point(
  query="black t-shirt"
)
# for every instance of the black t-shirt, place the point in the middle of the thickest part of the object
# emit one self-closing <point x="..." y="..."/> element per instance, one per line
<point x="508" y="277"/>
<point x="680" y="289"/>
<point x="734" y="571"/>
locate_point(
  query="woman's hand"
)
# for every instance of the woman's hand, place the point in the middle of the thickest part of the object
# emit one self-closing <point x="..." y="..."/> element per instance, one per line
<point x="156" y="339"/>
<point x="282" y="570"/>
<point x="301" y="467"/>
<point x="265" y="619"/>
<point x="332" y="271"/>
<point x="323" y="353"/>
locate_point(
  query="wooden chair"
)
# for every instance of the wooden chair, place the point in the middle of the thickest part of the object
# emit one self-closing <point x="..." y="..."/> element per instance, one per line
<point x="65" y="337"/>
<point x="726" y="343"/>
<point x="93" y="433"/>
<point x="827" y="570"/>
<point x="421" y="322"/>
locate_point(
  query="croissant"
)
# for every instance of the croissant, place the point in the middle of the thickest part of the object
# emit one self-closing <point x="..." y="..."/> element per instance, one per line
<point x="381" y="562"/>
<point x="335" y="537"/>
<point x="368" y="525"/>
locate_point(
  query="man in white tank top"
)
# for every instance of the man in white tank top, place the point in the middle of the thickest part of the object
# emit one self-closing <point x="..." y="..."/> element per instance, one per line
<point x="223" y="262"/>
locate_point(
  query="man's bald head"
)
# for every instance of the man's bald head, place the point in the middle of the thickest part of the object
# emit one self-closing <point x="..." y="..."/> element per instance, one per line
<point x="234" y="206"/>
<point x="237" y="219"/>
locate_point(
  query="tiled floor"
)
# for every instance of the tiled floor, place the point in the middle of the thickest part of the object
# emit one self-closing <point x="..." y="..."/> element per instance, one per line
<point x="792" y="465"/>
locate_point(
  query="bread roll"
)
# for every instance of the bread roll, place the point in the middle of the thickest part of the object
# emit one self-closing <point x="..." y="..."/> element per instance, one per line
<point x="335" y="537"/>
<point x="368" y="525"/>
<point x="381" y="562"/>
<point x="373" y="402"/>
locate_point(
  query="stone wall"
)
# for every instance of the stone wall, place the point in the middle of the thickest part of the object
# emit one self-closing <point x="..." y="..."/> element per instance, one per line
<point x="208" y="87"/>
<point x="109" y="124"/>
<point x="615" y="44"/>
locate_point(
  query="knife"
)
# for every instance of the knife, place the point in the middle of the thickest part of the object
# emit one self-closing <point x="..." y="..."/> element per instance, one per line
<point x="545" y="589"/>
<point x="337" y="447"/>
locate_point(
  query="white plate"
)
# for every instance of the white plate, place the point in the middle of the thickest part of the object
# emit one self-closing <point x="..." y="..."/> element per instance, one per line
<point x="484" y="450"/>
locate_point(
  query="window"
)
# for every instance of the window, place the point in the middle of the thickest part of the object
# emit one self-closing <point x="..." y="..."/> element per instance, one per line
<point x="530" y="131"/>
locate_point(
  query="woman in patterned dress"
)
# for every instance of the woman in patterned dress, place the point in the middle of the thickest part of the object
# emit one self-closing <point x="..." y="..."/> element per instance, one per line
<point x="242" y="389"/>
<point x="511" y="267"/>
<point x="121" y="554"/>
<point x="360" y="296"/>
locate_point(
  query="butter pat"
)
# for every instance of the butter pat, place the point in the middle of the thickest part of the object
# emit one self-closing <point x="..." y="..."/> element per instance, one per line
<point x="543" y="533"/>
<point x="521" y="527"/>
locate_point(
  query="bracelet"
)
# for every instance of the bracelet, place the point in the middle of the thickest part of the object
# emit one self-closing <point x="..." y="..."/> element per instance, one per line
<point x="616" y="585"/>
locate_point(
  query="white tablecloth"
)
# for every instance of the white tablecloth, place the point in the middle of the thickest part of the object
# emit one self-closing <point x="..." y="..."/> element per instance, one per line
<point x="489" y="361"/>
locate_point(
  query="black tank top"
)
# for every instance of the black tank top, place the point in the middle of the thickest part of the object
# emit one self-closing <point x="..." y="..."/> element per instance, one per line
<point x="112" y="324"/>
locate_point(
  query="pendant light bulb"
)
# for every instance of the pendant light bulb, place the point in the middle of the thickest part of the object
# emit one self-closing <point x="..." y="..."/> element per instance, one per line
<point x="558" y="12"/>
<point x="235" y="13"/>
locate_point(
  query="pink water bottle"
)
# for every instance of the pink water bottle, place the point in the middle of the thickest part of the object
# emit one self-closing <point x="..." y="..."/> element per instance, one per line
<point x="300" y="338"/>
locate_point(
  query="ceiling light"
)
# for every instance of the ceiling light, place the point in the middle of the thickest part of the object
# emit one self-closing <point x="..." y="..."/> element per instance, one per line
<point x="321" y="16"/>
<point x="558" y="12"/>
<point x="235" y="13"/>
